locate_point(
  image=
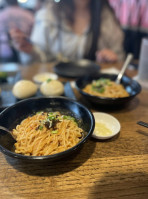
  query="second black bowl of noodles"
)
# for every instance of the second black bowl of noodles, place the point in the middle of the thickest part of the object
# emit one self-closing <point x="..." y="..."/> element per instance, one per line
<point x="130" y="85"/>
<point x="13" y="115"/>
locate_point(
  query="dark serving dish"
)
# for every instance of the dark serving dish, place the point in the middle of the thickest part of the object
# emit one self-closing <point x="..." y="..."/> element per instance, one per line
<point x="8" y="99"/>
<point x="76" y="69"/>
<point x="131" y="86"/>
<point x="13" y="115"/>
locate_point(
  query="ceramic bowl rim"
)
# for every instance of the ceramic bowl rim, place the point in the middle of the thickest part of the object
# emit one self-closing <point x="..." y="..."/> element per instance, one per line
<point x="108" y="99"/>
<point x="111" y="117"/>
<point x="19" y="156"/>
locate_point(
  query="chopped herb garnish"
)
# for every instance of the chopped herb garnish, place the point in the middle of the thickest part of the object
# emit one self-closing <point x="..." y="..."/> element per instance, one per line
<point x="52" y="120"/>
<point x="50" y="113"/>
<point x="3" y="75"/>
<point x="99" y="85"/>
<point x="54" y="132"/>
<point x="51" y="117"/>
<point x="40" y="127"/>
<point x="101" y="90"/>
<point x="67" y="117"/>
<point x="49" y="80"/>
<point x="39" y="112"/>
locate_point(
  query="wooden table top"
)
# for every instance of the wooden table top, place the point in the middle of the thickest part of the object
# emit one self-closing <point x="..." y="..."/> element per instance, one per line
<point x="112" y="169"/>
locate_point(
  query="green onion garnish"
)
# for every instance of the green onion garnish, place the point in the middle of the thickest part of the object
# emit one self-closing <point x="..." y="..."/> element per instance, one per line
<point x="49" y="80"/>
<point x="54" y="132"/>
<point x="40" y="127"/>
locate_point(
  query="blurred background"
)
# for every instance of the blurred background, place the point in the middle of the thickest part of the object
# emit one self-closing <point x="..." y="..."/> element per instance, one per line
<point x="133" y="18"/>
<point x="31" y="5"/>
<point x="131" y="14"/>
<point x="23" y="20"/>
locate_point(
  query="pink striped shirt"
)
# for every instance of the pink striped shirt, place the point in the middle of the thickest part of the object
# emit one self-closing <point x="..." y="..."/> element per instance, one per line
<point x="131" y="13"/>
<point x="13" y="17"/>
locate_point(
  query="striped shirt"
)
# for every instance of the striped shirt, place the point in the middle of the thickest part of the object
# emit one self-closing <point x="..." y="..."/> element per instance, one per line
<point x="13" y="17"/>
<point x="132" y="14"/>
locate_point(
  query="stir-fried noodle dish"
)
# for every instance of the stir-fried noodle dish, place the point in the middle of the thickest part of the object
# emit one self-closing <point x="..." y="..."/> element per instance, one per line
<point x="46" y="133"/>
<point x="106" y="88"/>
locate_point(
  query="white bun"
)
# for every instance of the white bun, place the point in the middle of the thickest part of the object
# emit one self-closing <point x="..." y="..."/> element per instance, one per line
<point x="52" y="88"/>
<point x="24" y="89"/>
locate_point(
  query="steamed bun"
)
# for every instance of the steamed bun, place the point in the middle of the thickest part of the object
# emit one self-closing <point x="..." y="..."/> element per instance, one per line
<point x="52" y="88"/>
<point x="24" y="89"/>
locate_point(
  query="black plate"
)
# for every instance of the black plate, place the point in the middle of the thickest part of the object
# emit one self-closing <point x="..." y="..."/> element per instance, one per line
<point x="13" y="115"/>
<point x="6" y="96"/>
<point x="76" y="69"/>
<point x="8" y="99"/>
<point x="131" y="86"/>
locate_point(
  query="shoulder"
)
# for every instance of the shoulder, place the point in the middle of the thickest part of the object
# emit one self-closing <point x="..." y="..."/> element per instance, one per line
<point x="109" y="21"/>
<point x="107" y="13"/>
<point x="46" y="14"/>
<point x="25" y="13"/>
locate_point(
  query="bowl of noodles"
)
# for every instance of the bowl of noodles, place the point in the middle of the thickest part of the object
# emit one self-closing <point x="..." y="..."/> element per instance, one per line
<point x="102" y="89"/>
<point x="45" y="129"/>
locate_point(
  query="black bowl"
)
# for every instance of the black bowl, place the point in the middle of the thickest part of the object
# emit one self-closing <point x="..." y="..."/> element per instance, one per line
<point x="13" y="115"/>
<point x="131" y="86"/>
<point x="76" y="69"/>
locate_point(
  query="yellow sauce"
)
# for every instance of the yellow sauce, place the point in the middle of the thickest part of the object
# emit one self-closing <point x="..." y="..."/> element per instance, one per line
<point x="42" y="77"/>
<point x="102" y="130"/>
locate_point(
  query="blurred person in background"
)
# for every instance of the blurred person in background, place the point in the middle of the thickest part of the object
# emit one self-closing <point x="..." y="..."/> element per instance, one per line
<point x="73" y="29"/>
<point x="39" y="5"/>
<point x="13" y="17"/>
<point x="133" y="18"/>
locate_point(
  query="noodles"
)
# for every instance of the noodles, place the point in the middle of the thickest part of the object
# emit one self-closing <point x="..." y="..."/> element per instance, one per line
<point x="46" y="134"/>
<point x="106" y="88"/>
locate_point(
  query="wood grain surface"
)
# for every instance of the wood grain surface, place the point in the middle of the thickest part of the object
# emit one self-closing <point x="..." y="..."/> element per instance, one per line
<point x="111" y="169"/>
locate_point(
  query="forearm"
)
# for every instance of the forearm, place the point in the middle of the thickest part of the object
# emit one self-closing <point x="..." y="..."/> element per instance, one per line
<point x="36" y="55"/>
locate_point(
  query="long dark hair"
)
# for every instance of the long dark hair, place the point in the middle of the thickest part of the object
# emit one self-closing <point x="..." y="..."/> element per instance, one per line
<point x="95" y="10"/>
<point x="68" y="8"/>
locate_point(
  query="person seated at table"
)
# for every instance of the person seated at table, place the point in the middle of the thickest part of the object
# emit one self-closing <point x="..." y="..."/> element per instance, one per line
<point x="13" y="16"/>
<point x="73" y="29"/>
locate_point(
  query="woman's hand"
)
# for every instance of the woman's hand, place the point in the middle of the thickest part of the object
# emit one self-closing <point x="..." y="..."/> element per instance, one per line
<point x="20" y="41"/>
<point x="106" y="55"/>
